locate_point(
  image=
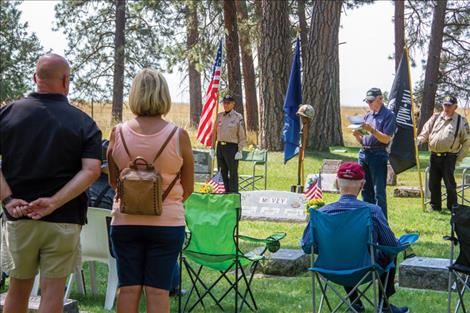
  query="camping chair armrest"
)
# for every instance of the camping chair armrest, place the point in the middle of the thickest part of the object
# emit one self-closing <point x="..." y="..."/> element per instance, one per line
<point x="272" y="242"/>
<point x="273" y="237"/>
<point x="404" y="242"/>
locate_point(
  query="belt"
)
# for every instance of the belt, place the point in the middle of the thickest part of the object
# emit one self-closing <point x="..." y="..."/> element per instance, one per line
<point x="442" y="154"/>
<point x="373" y="148"/>
<point x="223" y="143"/>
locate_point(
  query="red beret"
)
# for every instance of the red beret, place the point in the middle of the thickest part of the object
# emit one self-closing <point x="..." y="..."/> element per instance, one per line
<point x="350" y="170"/>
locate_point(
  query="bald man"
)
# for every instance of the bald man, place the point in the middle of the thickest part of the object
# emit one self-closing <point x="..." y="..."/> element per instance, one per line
<point x="51" y="153"/>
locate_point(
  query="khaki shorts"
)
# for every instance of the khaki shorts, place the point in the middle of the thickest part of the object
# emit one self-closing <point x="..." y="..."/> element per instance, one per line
<point x="29" y="245"/>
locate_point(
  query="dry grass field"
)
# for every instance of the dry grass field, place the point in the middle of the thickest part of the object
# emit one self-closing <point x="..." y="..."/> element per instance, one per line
<point x="179" y="115"/>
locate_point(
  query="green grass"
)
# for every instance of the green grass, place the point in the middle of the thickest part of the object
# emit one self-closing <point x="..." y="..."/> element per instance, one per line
<point x="294" y="294"/>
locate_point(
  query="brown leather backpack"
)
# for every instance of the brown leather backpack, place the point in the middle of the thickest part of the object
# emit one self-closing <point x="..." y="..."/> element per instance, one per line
<point x="140" y="184"/>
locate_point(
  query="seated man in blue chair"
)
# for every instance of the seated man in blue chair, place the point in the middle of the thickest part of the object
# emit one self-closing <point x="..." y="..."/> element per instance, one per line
<point x="350" y="180"/>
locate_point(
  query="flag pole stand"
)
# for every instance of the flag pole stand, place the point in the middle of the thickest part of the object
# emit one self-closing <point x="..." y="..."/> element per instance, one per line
<point x="421" y="192"/>
<point x="214" y="132"/>
<point x="303" y="144"/>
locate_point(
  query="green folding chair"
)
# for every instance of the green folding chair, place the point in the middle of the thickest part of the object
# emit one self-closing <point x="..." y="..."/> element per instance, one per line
<point x="258" y="158"/>
<point x="213" y="243"/>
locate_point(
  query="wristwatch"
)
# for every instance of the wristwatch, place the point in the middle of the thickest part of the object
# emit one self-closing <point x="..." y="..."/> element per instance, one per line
<point x="6" y="201"/>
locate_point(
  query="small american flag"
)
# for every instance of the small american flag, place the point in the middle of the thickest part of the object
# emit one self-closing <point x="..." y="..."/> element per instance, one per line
<point x="204" y="131"/>
<point x="217" y="183"/>
<point x="313" y="191"/>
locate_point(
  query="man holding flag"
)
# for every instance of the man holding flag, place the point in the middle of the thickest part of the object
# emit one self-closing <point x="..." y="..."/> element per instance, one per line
<point x="229" y="133"/>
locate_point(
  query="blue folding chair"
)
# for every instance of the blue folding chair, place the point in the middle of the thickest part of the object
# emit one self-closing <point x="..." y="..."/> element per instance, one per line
<point x="344" y="249"/>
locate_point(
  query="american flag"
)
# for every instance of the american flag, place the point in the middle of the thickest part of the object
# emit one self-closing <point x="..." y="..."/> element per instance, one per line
<point x="217" y="183"/>
<point x="313" y="191"/>
<point x="204" y="131"/>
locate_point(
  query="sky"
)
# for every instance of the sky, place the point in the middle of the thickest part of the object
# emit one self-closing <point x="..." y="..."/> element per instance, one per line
<point x="367" y="33"/>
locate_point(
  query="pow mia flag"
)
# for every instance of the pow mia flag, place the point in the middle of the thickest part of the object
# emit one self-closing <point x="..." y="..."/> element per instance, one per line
<point x="402" y="148"/>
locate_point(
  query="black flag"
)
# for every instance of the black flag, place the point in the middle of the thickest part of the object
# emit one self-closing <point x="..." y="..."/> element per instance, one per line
<point x="402" y="149"/>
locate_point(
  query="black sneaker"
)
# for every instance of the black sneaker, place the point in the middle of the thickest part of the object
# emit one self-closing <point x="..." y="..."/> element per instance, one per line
<point x="359" y="307"/>
<point x="395" y="309"/>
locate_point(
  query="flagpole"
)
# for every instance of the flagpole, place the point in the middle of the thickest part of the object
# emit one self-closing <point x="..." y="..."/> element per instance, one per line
<point x="213" y="139"/>
<point x="414" y="132"/>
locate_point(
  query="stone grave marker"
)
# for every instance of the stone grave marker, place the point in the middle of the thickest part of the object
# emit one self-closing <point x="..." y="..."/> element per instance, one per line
<point x="424" y="273"/>
<point x="202" y="165"/>
<point x="273" y="205"/>
<point x="284" y="262"/>
<point x="327" y="176"/>
<point x="70" y="306"/>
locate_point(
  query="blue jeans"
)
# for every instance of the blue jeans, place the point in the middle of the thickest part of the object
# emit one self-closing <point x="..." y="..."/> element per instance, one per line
<point x="374" y="164"/>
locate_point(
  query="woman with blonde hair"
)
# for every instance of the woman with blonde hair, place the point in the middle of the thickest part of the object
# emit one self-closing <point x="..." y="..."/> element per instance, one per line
<point x="146" y="247"/>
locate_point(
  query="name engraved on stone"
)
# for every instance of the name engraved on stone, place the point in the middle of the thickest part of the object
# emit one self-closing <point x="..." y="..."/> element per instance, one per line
<point x="266" y="200"/>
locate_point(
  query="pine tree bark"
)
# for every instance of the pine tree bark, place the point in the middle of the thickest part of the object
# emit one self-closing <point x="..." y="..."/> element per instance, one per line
<point x="303" y="32"/>
<point x="399" y="22"/>
<point x="233" y="54"/>
<point x="195" y="100"/>
<point x="431" y="74"/>
<point x="275" y="64"/>
<point x="119" y="44"/>
<point x="249" y="78"/>
<point x="321" y="84"/>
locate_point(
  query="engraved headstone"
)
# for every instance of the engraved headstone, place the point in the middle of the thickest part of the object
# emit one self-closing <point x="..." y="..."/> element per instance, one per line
<point x="327" y="175"/>
<point x="70" y="306"/>
<point x="202" y="165"/>
<point x="271" y="205"/>
<point x="424" y="273"/>
<point x="285" y="262"/>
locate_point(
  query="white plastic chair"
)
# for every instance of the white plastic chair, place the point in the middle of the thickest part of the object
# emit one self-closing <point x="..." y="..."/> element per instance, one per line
<point x="94" y="242"/>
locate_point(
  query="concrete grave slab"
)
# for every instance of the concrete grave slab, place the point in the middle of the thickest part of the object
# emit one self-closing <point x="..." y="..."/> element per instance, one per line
<point x="285" y="262"/>
<point x="424" y="273"/>
<point x="273" y="205"/>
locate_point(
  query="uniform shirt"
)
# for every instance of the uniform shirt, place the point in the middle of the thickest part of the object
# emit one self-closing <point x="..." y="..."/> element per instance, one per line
<point x="382" y="234"/>
<point x="440" y="132"/>
<point x="231" y="128"/>
<point x="383" y="121"/>
<point x="43" y="140"/>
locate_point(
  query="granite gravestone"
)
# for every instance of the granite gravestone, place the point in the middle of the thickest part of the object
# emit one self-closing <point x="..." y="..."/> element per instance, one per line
<point x="271" y="205"/>
<point x="202" y="165"/>
<point x="70" y="306"/>
<point x="327" y="176"/>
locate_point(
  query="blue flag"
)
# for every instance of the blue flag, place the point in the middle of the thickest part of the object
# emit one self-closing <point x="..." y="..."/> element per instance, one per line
<point x="291" y="130"/>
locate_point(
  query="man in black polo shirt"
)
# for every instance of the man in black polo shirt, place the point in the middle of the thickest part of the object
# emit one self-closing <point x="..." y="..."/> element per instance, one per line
<point x="51" y="153"/>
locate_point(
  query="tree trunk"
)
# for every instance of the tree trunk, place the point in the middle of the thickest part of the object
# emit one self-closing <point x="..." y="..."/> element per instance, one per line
<point x="399" y="30"/>
<point x="119" y="44"/>
<point x="195" y="101"/>
<point x="233" y="54"/>
<point x="321" y="84"/>
<point x="259" y="18"/>
<point x="249" y="78"/>
<point x="432" y="65"/>
<point x="303" y="32"/>
<point x="275" y="64"/>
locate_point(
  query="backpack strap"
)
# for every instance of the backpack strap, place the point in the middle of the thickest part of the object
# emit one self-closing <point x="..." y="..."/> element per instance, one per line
<point x="165" y="143"/>
<point x="456" y="131"/>
<point x="167" y="191"/>
<point x="124" y="141"/>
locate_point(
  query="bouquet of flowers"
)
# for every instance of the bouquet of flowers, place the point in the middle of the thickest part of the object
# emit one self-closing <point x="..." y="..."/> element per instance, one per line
<point x="315" y="203"/>
<point x="206" y="188"/>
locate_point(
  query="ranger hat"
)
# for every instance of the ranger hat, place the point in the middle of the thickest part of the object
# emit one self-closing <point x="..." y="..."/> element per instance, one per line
<point x="228" y="98"/>
<point x="450" y="100"/>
